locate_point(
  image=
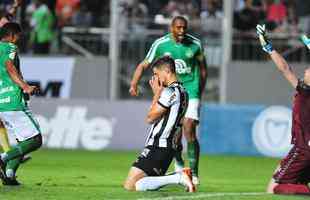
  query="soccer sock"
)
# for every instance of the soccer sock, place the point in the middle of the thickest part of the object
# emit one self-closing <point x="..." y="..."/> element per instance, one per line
<point x="23" y="148"/>
<point x="178" y="155"/>
<point x="12" y="167"/>
<point x="193" y="151"/>
<point x="156" y="182"/>
<point x="292" y="189"/>
<point x="4" y="140"/>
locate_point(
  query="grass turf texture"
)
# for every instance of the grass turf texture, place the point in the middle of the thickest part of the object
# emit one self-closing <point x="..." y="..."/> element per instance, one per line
<point x="75" y="175"/>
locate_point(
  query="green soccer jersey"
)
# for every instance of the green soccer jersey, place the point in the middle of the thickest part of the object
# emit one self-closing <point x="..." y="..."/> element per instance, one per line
<point x="186" y="55"/>
<point x="11" y="97"/>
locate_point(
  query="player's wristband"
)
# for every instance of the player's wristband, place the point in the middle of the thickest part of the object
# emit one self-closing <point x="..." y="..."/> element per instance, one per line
<point x="305" y="40"/>
<point x="268" y="48"/>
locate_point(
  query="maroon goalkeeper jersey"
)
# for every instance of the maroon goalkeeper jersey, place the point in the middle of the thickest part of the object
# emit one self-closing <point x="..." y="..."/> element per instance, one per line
<point x="301" y="116"/>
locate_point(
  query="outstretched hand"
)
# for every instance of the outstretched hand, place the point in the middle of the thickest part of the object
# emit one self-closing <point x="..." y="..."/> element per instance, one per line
<point x="262" y="35"/>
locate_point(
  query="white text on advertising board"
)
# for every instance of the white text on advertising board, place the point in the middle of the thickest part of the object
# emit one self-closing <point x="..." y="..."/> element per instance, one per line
<point x="70" y="129"/>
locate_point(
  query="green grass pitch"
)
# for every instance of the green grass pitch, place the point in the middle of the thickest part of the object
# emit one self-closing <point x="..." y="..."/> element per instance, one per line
<point x="75" y="175"/>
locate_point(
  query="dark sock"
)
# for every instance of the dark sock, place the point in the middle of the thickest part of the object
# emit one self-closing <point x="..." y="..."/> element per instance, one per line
<point x="178" y="155"/>
<point x="23" y="148"/>
<point x="193" y="152"/>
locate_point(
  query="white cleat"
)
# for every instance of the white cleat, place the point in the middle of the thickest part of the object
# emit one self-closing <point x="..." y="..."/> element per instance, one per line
<point x="177" y="167"/>
<point x="186" y="180"/>
<point x="195" y="180"/>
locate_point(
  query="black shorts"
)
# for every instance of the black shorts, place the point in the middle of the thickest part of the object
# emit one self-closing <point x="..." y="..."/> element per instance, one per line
<point x="154" y="161"/>
<point x="294" y="168"/>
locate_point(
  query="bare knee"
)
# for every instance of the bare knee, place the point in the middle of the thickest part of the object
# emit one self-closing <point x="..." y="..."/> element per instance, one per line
<point x="129" y="185"/>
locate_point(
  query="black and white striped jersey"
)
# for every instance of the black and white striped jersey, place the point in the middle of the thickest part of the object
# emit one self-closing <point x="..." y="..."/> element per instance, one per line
<point x="162" y="132"/>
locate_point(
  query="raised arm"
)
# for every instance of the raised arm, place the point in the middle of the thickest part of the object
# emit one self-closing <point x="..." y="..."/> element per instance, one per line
<point x="136" y="78"/>
<point x="277" y="58"/>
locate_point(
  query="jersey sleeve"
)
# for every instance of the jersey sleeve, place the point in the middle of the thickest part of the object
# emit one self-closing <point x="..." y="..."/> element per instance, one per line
<point x="303" y="88"/>
<point x="11" y="53"/>
<point x="153" y="52"/>
<point x="167" y="98"/>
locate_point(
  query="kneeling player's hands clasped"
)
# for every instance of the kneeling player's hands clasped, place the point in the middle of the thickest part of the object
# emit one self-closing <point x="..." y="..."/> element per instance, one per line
<point x="261" y="32"/>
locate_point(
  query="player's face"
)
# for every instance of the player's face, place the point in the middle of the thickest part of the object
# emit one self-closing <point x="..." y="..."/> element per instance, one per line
<point x="307" y="76"/>
<point x="178" y="30"/>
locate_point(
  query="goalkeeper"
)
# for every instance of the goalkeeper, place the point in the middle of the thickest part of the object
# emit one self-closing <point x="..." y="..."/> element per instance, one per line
<point x="293" y="173"/>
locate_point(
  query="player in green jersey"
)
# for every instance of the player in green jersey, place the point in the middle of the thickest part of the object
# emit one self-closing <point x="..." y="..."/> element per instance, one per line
<point x="6" y="17"/>
<point x="191" y="70"/>
<point x="14" y="112"/>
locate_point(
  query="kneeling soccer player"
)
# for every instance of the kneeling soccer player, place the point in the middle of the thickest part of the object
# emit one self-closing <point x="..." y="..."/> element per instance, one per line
<point x="293" y="174"/>
<point x="167" y="110"/>
<point x="14" y="112"/>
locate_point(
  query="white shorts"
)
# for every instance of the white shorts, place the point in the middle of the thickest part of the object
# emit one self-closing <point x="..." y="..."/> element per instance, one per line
<point x="193" y="109"/>
<point x="20" y="123"/>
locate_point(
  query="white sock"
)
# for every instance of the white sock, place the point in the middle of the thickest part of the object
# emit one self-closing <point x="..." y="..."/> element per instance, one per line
<point x="156" y="182"/>
<point x="10" y="173"/>
<point x="3" y="156"/>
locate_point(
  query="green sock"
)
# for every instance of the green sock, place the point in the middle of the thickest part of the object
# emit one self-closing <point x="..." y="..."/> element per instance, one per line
<point x="178" y="157"/>
<point x="193" y="151"/>
<point x="23" y="148"/>
<point x="12" y="166"/>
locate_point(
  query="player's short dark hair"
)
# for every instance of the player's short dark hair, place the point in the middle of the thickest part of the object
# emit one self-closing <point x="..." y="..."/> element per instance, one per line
<point x="164" y="62"/>
<point x="179" y="17"/>
<point x="10" y="28"/>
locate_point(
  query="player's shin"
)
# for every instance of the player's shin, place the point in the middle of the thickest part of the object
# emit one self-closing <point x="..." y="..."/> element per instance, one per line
<point x="193" y="152"/>
<point x="156" y="182"/>
<point x="23" y="148"/>
<point x="179" y="162"/>
<point x="12" y="167"/>
<point x="4" y="140"/>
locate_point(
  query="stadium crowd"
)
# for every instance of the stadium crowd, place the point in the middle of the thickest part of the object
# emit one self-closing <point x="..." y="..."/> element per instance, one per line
<point x="288" y="17"/>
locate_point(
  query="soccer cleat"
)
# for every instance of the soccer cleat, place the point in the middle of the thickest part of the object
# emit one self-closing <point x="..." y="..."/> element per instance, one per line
<point x="10" y="181"/>
<point x="195" y="180"/>
<point x="186" y="180"/>
<point x="25" y="158"/>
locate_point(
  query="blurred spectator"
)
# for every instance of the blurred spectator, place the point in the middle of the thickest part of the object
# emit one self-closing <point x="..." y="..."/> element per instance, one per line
<point x="65" y="10"/>
<point x="82" y="17"/>
<point x="247" y="18"/>
<point x="303" y="14"/>
<point x="276" y="15"/>
<point x="211" y="18"/>
<point x="42" y="23"/>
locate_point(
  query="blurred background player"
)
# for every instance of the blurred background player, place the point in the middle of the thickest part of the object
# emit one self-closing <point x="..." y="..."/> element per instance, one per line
<point x="292" y="175"/>
<point x="191" y="69"/>
<point x="5" y="18"/>
<point x="14" y="111"/>
<point x="168" y="107"/>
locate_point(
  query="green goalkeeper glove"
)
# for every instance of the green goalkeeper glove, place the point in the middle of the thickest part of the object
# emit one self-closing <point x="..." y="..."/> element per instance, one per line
<point x="305" y="40"/>
<point x="266" y="44"/>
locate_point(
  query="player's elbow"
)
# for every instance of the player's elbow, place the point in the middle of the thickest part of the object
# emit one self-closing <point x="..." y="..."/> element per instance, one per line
<point x="149" y="120"/>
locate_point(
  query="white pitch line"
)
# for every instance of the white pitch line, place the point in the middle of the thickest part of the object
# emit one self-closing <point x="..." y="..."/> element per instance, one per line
<point x="206" y="196"/>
